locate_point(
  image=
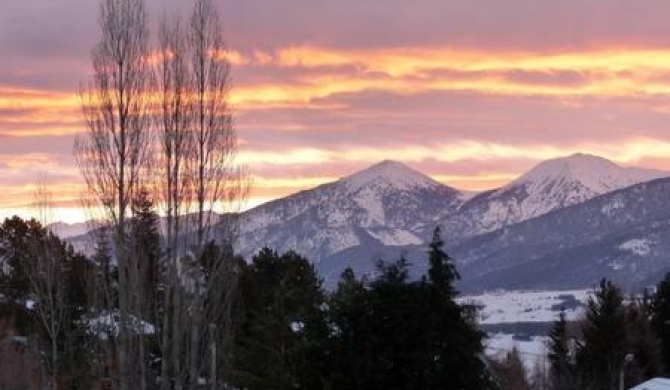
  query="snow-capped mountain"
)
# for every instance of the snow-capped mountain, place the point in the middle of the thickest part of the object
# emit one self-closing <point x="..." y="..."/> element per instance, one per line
<point x="551" y="185"/>
<point x="580" y="211"/>
<point x="388" y="203"/>
<point x="622" y="235"/>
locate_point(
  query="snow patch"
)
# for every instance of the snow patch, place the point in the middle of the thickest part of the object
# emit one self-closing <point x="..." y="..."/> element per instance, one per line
<point x="390" y="174"/>
<point x="109" y="323"/>
<point x="532" y="350"/>
<point x="368" y="200"/>
<point x="637" y="246"/>
<point x="526" y="306"/>
<point x="396" y="237"/>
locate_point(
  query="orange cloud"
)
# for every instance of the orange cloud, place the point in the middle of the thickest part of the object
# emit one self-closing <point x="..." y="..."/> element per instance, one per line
<point x="607" y="73"/>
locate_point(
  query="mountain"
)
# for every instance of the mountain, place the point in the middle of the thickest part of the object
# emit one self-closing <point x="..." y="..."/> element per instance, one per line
<point x="549" y="186"/>
<point x="68" y="230"/>
<point x="622" y="235"/>
<point x="388" y="203"/>
<point x="564" y="224"/>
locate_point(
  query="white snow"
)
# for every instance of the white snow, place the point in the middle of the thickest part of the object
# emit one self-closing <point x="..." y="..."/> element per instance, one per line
<point x="297" y="326"/>
<point x="616" y="204"/>
<point x="108" y="323"/>
<point x="532" y="352"/>
<point x="555" y="184"/>
<point x="637" y="246"/>
<point x="368" y="200"/>
<point x="395" y="237"/>
<point x="524" y="306"/>
<point x="390" y="174"/>
<point x="66" y="230"/>
<point x="595" y="173"/>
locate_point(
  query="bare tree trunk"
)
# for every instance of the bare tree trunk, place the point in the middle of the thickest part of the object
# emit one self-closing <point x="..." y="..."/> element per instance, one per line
<point x="113" y="154"/>
<point x="219" y="182"/>
<point x="45" y="271"/>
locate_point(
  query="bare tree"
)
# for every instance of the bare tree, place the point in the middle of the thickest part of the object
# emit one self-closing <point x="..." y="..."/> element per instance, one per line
<point x="197" y="151"/>
<point x="174" y="120"/>
<point x="115" y="150"/>
<point x="46" y="272"/>
<point x="218" y="182"/>
<point x="195" y="171"/>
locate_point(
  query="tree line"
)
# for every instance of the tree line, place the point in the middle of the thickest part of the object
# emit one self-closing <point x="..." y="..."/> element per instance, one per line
<point x="287" y="332"/>
<point x="617" y="340"/>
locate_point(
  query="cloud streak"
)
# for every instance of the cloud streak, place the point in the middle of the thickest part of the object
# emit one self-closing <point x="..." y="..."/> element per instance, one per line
<point x="472" y="93"/>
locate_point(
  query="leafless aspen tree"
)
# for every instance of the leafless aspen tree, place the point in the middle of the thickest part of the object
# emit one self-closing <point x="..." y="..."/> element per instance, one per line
<point x="194" y="172"/>
<point x="45" y="270"/>
<point x="198" y="146"/>
<point x="218" y="181"/>
<point x="114" y="152"/>
<point x="217" y="178"/>
<point x="174" y="121"/>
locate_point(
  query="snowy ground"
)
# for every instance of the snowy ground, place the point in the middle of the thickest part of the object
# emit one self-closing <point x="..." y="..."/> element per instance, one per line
<point x="526" y="306"/>
<point x="509" y="307"/>
<point x="533" y="351"/>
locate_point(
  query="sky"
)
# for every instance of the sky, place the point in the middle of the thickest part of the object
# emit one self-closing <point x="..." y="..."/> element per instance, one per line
<point x="472" y="93"/>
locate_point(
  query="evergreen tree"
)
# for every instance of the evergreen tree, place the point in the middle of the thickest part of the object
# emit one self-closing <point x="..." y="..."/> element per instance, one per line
<point x="347" y="310"/>
<point x="561" y="373"/>
<point x="48" y="311"/>
<point x="601" y="354"/>
<point x="660" y="319"/>
<point x="642" y="342"/>
<point x="145" y="242"/>
<point x="510" y="372"/>
<point x="442" y="271"/>
<point x="400" y="334"/>
<point x="281" y="340"/>
<point x="455" y="341"/>
<point x="16" y="238"/>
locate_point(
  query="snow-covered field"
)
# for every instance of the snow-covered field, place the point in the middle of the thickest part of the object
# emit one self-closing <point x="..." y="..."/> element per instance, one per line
<point x="508" y="307"/>
<point x="526" y="306"/>
<point x="533" y="351"/>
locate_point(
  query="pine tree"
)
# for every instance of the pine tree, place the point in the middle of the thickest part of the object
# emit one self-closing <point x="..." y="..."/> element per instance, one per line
<point x="283" y="333"/>
<point x="456" y="343"/>
<point x="442" y="272"/>
<point x="561" y="374"/>
<point x="511" y="373"/>
<point x="642" y="342"/>
<point x="401" y="334"/>
<point x="145" y="242"/>
<point x="601" y="354"/>
<point x="660" y="319"/>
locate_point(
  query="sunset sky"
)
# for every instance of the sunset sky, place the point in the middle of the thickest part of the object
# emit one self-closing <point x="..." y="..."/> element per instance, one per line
<point x="472" y="93"/>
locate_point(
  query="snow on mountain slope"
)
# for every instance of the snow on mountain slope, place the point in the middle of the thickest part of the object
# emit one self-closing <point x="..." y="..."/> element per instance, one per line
<point x="566" y="181"/>
<point x="551" y="185"/>
<point x="66" y="230"/>
<point x="396" y="206"/>
<point x="389" y="174"/>
<point x="388" y="202"/>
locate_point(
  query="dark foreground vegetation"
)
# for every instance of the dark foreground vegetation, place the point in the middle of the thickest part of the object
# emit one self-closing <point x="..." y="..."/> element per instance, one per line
<point x="287" y="332"/>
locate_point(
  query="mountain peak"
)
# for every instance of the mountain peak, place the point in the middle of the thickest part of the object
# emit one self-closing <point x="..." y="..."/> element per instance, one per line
<point x="594" y="172"/>
<point x="390" y="173"/>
